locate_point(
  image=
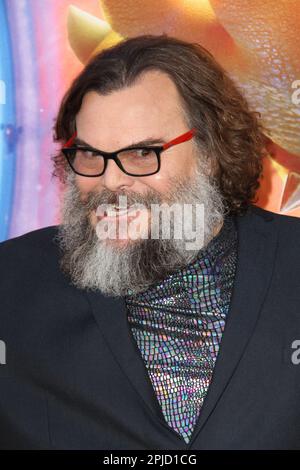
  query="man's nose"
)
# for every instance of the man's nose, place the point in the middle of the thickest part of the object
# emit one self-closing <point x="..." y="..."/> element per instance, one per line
<point x="113" y="177"/>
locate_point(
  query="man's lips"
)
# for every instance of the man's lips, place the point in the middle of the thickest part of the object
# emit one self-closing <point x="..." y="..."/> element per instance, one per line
<point x="116" y="213"/>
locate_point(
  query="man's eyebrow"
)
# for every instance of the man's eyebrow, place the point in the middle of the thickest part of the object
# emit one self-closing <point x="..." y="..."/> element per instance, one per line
<point x="149" y="141"/>
<point x="140" y="143"/>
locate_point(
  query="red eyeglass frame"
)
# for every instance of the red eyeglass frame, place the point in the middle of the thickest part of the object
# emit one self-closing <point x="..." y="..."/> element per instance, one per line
<point x="114" y="155"/>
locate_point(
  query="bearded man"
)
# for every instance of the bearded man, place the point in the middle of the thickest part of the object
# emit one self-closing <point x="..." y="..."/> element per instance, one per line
<point x="122" y="331"/>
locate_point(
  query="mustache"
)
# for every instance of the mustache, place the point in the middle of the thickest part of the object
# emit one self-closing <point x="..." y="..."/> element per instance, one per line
<point x="105" y="197"/>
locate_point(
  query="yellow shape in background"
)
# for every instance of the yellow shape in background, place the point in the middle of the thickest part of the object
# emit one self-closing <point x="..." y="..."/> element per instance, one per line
<point x="85" y="32"/>
<point x="255" y="41"/>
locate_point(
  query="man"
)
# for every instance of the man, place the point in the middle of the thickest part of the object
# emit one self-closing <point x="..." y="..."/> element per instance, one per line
<point x="142" y="341"/>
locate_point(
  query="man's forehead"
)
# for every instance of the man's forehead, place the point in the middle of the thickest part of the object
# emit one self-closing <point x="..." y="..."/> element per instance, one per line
<point x="122" y="119"/>
<point x="151" y="94"/>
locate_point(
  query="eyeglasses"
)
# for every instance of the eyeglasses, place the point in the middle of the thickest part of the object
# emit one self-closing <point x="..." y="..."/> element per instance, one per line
<point x="133" y="160"/>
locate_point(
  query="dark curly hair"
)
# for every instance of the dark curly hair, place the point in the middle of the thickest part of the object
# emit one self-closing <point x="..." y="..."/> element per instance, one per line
<point x="228" y="132"/>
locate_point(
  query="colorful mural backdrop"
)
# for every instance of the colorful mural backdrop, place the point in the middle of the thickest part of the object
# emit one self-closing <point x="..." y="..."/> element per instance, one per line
<point x="45" y="43"/>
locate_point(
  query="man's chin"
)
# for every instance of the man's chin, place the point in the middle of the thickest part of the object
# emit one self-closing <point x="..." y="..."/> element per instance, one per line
<point x="118" y="243"/>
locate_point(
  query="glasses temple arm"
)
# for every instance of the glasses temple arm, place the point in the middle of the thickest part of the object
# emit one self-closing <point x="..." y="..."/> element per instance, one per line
<point x="70" y="141"/>
<point x="182" y="138"/>
<point x="186" y="136"/>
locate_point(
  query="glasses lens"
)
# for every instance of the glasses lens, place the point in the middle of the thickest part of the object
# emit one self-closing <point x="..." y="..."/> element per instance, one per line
<point x="139" y="161"/>
<point x="86" y="162"/>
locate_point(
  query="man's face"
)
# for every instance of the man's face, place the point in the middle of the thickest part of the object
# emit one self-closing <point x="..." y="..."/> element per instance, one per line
<point x="150" y="109"/>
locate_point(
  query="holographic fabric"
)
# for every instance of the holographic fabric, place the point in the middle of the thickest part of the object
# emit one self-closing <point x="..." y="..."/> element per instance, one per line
<point x="178" y="325"/>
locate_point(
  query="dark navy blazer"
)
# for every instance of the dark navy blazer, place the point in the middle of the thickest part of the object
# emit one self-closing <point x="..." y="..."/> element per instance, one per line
<point x="74" y="377"/>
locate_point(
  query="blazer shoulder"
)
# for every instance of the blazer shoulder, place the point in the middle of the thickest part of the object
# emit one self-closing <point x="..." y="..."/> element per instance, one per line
<point x="288" y="228"/>
<point x="28" y="245"/>
<point x="284" y="221"/>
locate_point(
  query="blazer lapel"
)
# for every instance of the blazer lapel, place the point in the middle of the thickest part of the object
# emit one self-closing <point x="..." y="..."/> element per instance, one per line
<point x="111" y="316"/>
<point x="257" y="241"/>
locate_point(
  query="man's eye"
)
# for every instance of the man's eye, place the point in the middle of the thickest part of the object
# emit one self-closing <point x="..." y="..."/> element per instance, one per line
<point x="86" y="152"/>
<point x="144" y="152"/>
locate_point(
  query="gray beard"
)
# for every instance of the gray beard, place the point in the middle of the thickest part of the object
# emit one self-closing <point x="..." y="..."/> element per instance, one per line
<point x="116" y="271"/>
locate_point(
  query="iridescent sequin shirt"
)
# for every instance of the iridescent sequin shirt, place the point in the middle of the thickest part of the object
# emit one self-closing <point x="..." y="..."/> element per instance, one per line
<point x="178" y="325"/>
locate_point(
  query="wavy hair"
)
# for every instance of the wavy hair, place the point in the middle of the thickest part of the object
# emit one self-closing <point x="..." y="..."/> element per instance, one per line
<point x="229" y="134"/>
